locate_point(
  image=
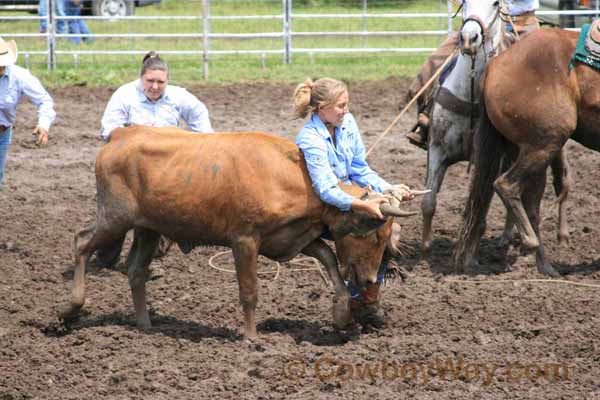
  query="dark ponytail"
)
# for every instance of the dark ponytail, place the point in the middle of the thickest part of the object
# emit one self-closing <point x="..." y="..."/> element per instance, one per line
<point x="152" y="61"/>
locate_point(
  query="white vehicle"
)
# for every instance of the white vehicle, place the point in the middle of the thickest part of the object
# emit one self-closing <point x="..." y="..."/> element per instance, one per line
<point x="105" y="8"/>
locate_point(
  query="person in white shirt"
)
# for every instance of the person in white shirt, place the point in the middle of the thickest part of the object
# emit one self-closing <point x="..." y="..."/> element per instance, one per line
<point x="151" y="101"/>
<point x="14" y="83"/>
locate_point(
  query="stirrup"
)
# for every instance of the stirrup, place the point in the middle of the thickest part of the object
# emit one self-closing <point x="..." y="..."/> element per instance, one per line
<point x="414" y="137"/>
<point x="423" y="120"/>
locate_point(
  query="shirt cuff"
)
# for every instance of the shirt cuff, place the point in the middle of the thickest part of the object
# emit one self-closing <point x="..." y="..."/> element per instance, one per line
<point x="44" y="123"/>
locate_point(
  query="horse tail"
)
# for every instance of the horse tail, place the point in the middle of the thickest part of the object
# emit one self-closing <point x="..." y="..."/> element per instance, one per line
<point x="487" y="158"/>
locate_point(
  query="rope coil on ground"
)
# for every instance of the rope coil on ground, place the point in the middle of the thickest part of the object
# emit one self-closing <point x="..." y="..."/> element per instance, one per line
<point x="300" y="262"/>
<point x="565" y="282"/>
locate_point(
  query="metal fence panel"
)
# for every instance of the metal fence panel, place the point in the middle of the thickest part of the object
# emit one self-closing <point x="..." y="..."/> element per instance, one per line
<point x="204" y="30"/>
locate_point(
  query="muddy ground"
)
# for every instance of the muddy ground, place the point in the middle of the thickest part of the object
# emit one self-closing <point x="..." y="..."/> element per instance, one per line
<point x="525" y="340"/>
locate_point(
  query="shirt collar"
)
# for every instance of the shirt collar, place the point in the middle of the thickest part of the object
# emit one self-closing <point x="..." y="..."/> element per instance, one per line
<point x="322" y="129"/>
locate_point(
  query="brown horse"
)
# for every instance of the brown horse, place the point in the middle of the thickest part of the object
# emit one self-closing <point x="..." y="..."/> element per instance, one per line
<point x="534" y="102"/>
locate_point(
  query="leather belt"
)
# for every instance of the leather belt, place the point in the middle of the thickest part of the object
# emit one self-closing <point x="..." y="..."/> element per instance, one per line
<point x="527" y="18"/>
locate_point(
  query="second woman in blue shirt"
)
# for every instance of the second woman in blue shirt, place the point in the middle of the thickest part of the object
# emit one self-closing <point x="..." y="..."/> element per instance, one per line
<point x="334" y="153"/>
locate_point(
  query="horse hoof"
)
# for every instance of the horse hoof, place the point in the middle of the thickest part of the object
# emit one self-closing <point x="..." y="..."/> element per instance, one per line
<point x="564" y="239"/>
<point x="470" y="268"/>
<point x="250" y="336"/>
<point x="426" y="249"/>
<point x="548" y="270"/>
<point x="69" y="312"/>
<point x="529" y="245"/>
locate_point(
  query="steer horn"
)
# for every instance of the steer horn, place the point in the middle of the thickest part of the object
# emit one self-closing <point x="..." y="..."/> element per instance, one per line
<point x="390" y="211"/>
<point x="420" y="192"/>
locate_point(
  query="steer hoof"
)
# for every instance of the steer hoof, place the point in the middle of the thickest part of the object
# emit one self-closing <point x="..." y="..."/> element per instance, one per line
<point x="342" y="318"/>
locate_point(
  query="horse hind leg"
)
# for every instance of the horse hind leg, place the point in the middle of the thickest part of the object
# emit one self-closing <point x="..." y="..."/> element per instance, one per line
<point x="145" y="242"/>
<point x="532" y="198"/>
<point x="86" y="241"/>
<point x="561" y="180"/>
<point x="509" y="187"/>
<point x="508" y="235"/>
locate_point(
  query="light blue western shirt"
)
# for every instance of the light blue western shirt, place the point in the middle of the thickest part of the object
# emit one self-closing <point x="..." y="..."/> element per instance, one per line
<point x="518" y="7"/>
<point x="130" y="106"/>
<point x="345" y="162"/>
<point x="16" y="82"/>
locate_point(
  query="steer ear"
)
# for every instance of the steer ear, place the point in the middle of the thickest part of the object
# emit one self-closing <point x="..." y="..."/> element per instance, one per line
<point x="356" y="223"/>
<point x="394" y="246"/>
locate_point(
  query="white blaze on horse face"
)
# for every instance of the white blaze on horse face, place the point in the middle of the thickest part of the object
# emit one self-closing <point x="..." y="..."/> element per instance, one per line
<point x="479" y="17"/>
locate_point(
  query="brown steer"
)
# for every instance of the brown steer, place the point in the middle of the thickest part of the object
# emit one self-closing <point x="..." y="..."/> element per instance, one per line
<point x="247" y="191"/>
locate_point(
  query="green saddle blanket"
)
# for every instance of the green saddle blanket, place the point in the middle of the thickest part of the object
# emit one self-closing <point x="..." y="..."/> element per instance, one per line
<point x="582" y="54"/>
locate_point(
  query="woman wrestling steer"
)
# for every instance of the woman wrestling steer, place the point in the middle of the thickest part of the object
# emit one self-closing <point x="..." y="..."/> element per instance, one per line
<point x="334" y="152"/>
<point x="248" y="191"/>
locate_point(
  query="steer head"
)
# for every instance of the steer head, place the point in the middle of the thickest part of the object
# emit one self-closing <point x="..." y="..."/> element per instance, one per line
<point x="360" y="240"/>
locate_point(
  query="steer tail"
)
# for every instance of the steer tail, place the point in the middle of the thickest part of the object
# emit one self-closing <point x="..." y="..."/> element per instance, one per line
<point x="560" y="175"/>
<point x="488" y="151"/>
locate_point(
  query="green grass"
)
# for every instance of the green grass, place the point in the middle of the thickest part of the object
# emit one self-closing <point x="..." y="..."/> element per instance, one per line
<point x="97" y="70"/>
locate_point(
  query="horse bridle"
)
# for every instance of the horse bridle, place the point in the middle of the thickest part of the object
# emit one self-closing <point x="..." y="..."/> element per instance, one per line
<point x="484" y="29"/>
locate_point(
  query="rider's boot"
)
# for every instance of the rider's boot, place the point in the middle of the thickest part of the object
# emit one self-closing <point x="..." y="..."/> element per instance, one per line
<point x="418" y="135"/>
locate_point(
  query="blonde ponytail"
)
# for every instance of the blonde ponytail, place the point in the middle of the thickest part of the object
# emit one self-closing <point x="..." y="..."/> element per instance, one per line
<point x="310" y="96"/>
<point x="302" y="97"/>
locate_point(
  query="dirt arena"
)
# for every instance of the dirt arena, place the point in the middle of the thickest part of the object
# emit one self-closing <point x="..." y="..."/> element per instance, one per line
<point x="445" y="339"/>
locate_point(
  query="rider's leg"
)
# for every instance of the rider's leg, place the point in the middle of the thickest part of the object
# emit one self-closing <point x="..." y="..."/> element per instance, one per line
<point x="418" y="135"/>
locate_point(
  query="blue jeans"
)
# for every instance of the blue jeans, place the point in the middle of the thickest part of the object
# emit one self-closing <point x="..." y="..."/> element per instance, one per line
<point x="59" y="11"/>
<point x="5" y="139"/>
<point x="76" y="26"/>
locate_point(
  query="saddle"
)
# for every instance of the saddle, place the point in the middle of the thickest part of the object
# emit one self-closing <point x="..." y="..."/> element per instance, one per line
<point x="592" y="41"/>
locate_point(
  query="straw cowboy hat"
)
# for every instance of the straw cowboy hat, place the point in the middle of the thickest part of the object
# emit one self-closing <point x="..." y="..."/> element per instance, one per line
<point x="8" y="52"/>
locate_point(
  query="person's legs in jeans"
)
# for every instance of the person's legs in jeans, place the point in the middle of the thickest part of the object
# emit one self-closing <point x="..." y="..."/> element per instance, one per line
<point x="83" y="28"/>
<point x="59" y="11"/>
<point x="73" y="10"/>
<point x="43" y="12"/>
<point x="5" y="139"/>
<point x="419" y="133"/>
<point x="59" y="8"/>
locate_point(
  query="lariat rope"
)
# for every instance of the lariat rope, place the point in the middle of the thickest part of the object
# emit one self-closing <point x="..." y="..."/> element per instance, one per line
<point x="561" y="281"/>
<point x="415" y="97"/>
<point x="439" y="71"/>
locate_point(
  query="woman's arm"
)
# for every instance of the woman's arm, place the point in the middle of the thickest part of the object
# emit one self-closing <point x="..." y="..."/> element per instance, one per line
<point x="360" y="171"/>
<point x="324" y="181"/>
<point x="115" y="115"/>
<point x="39" y="97"/>
<point x="194" y="112"/>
